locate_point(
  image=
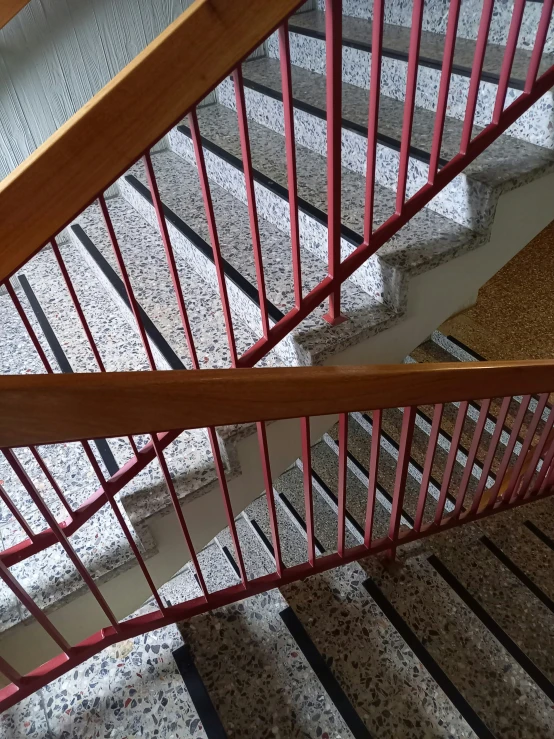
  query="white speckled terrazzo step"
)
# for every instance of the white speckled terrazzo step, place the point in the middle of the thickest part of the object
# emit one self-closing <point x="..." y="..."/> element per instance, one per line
<point x="307" y="39"/>
<point x="489" y="678"/>
<point x="435" y="16"/>
<point x="470" y="199"/>
<point x="314" y="339"/>
<point x="426" y="241"/>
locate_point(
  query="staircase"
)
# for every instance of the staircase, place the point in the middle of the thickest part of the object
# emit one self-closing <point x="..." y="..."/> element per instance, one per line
<point x="178" y="229"/>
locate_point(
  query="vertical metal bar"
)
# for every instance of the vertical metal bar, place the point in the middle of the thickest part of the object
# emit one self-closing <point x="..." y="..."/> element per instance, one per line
<point x="343" y="450"/>
<point x="121" y="521"/>
<point x="531" y="428"/>
<point x="126" y="280"/>
<point x="525" y="490"/>
<point x="508" y="451"/>
<point x="409" y="104"/>
<point x="373" y="473"/>
<point x="308" y="498"/>
<point x="170" y="257"/>
<point x="227" y="502"/>
<point x="444" y="88"/>
<point x="548" y="473"/>
<point x="268" y="482"/>
<point x="10" y="672"/>
<point x="251" y="195"/>
<point x="49" y="476"/>
<point x="373" y="115"/>
<point x="21" y="594"/>
<point x="214" y="238"/>
<point x="451" y="460"/>
<point x="16" y="513"/>
<point x="179" y="512"/>
<point x="290" y="148"/>
<point x="540" y="39"/>
<point x="508" y="60"/>
<point x="428" y="466"/>
<point x="25" y="480"/>
<point x="27" y="324"/>
<point x="476" y="440"/>
<point x="475" y="79"/>
<point x="406" y="435"/>
<point x="493" y="445"/>
<point x="333" y="56"/>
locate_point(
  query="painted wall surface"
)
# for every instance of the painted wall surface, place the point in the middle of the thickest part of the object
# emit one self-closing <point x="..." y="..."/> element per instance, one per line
<point x="56" y="54"/>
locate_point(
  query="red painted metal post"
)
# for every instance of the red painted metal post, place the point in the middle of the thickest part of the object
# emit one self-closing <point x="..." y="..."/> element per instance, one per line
<point x="475" y="79"/>
<point x="251" y="195"/>
<point x="42" y="464"/>
<point x="227" y="503"/>
<point x="27" y="324"/>
<point x="444" y="88"/>
<point x="16" y="513"/>
<point x="508" y="60"/>
<point x="10" y="672"/>
<point x="428" y="466"/>
<point x="126" y="280"/>
<point x="476" y="440"/>
<point x="290" y="148"/>
<point x="268" y="482"/>
<point x="343" y="468"/>
<point x="526" y="490"/>
<point x="333" y="52"/>
<point x="547" y="473"/>
<point x="451" y="460"/>
<point x="540" y="39"/>
<point x="25" y="480"/>
<point x="214" y="237"/>
<point x="373" y="115"/>
<point x="373" y="474"/>
<point x="409" y="104"/>
<point x="406" y="435"/>
<point x="308" y="498"/>
<point x="170" y="256"/>
<point x="179" y="513"/>
<point x="493" y="445"/>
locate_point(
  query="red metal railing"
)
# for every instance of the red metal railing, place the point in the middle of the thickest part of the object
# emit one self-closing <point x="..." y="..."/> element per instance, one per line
<point x="525" y="486"/>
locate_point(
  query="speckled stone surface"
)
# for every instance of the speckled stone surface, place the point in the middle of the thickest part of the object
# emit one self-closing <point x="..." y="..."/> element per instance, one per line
<point x="314" y="339"/>
<point x="435" y="17"/>
<point x="426" y="241"/>
<point x="257" y="560"/>
<point x="383" y="679"/>
<point x="502" y="694"/>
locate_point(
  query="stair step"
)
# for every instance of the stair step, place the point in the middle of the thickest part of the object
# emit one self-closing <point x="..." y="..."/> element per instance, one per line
<point x="381" y="676"/>
<point x="426" y="241"/>
<point x="488" y="677"/>
<point x="314" y="339"/>
<point x="307" y="38"/>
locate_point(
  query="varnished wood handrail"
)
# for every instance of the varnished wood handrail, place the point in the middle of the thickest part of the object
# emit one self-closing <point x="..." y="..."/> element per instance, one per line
<point x="99" y="143"/>
<point x="39" y="409"/>
<point x="9" y="9"/>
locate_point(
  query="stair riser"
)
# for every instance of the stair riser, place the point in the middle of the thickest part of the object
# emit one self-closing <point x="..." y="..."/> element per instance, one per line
<point x="374" y="277"/>
<point x="241" y="306"/>
<point x="533" y="126"/>
<point x="435" y="16"/>
<point x="464" y="200"/>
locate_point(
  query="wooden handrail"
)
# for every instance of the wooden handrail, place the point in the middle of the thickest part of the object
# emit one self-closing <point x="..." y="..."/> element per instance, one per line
<point x="9" y="9"/>
<point x="39" y="409"/>
<point x="139" y="106"/>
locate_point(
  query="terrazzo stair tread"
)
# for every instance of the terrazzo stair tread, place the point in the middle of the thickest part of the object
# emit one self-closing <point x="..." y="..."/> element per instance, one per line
<point x="291" y="485"/>
<point x="504" y="697"/>
<point x="397" y="39"/>
<point x="314" y="339"/>
<point x="392" y="424"/>
<point x="540" y="514"/>
<point x="325" y="465"/>
<point x="382" y="677"/>
<point x="503" y="595"/>
<point x="505" y="163"/>
<point x="260" y="683"/>
<point x="426" y="240"/>
<point x="257" y="561"/>
<point x="292" y="543"/>
<point x="471" y="333"/>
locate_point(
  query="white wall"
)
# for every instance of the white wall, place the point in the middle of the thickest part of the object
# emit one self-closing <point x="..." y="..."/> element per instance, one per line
<point x="56" y="54"/>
